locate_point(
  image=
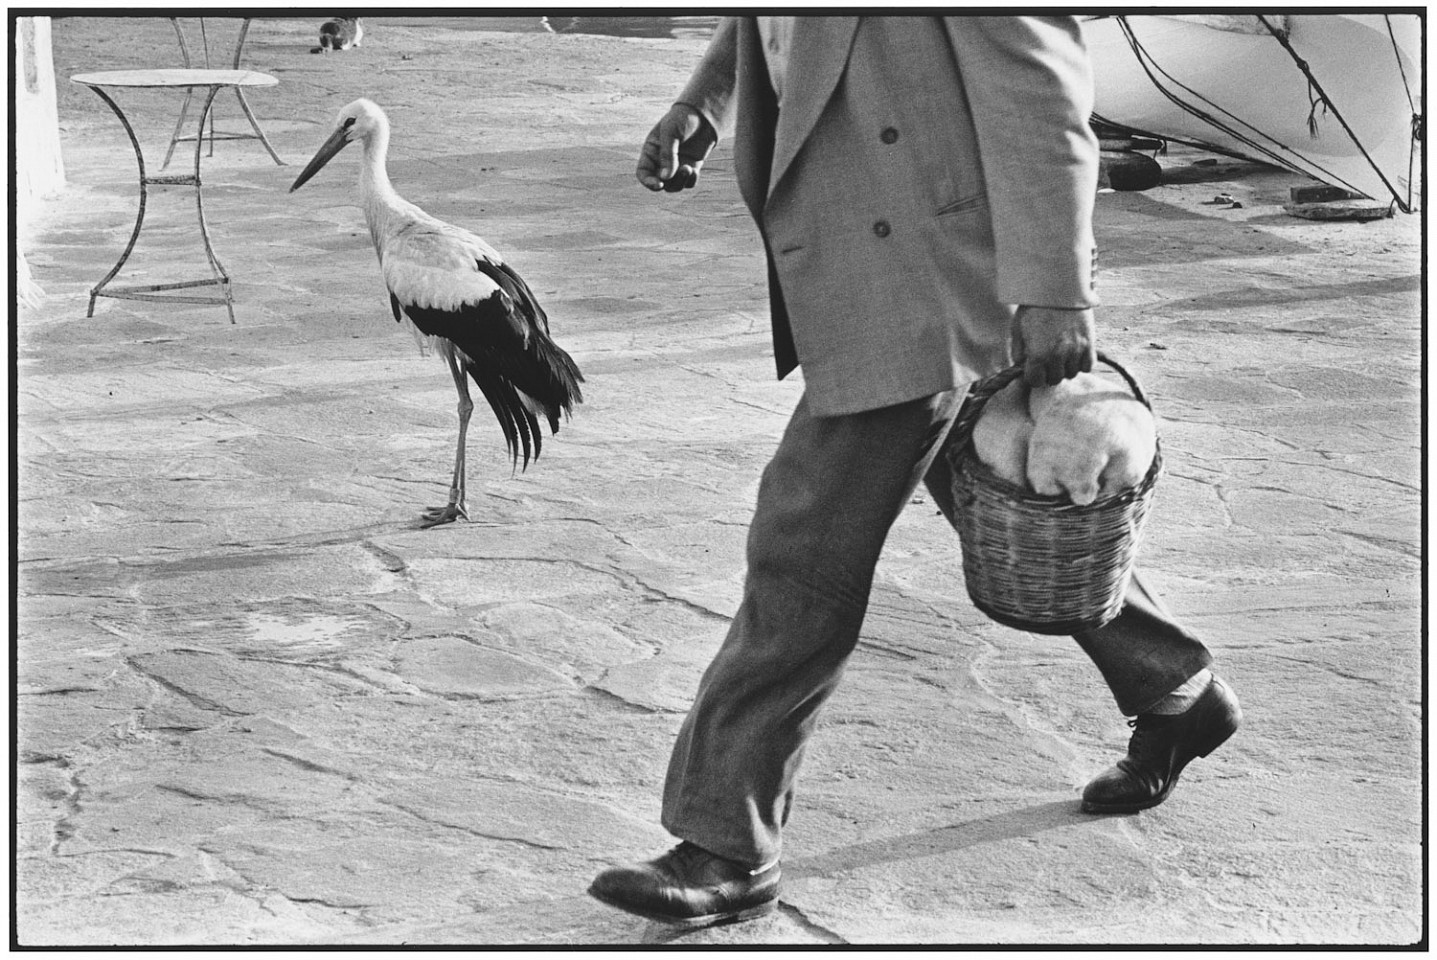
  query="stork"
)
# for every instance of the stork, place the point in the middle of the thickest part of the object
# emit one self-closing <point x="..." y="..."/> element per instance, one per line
<point x="462" y="298"/>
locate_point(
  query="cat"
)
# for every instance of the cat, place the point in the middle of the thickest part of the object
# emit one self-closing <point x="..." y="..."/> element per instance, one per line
<point x="341" y="33"/>
<point x="1091" y="439"/>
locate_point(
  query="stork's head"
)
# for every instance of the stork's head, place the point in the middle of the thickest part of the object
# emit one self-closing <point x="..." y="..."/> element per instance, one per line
<point x="359" y="120"/>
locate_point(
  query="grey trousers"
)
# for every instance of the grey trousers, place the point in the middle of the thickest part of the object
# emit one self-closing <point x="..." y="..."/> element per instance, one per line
<point x="825" y="506"/>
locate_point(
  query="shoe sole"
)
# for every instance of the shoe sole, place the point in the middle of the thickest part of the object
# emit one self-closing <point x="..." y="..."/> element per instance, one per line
<point x="692" y="923"/>
<point x="1208" y="746"/>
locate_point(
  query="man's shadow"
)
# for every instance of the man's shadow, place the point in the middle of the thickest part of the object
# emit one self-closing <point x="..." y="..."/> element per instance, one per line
<point x="1027" y="822"/>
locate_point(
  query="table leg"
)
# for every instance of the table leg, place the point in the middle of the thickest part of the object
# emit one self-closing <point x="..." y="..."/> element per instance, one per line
<point x="140" y="218"/>
<point x="179" y="125"/>
<point x="189" y="92"/>
<point x="244" y="105"/>
<point x="151" y="292"/>
<point x="219" y="271"/>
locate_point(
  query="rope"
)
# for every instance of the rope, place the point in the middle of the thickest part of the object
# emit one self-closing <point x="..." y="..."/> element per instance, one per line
<point x="1418" y="131"/>
<point x="1149" y="65"/>
<point x="1397" y="55"/>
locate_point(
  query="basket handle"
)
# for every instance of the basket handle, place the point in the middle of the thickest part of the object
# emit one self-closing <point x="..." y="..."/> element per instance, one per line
<point x="982" y="391"/>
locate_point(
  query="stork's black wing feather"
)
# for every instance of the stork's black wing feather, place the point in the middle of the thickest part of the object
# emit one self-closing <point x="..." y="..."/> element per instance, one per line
<point x="564" y="373"/>
<point x="511" y="283"/>
<point x="510" y="358"/>
<point x="520" y="426"/>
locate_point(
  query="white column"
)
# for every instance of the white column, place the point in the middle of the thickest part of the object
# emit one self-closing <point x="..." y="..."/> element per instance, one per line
<point x="39" y="168"/>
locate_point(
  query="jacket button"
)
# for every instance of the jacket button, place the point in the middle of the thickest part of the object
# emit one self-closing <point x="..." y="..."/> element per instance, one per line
<point x="882" y="229"/>
<point x="889" y="135"/>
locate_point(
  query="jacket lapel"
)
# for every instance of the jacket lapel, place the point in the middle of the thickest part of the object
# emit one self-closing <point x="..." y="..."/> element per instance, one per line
<point x="820" y="51"/>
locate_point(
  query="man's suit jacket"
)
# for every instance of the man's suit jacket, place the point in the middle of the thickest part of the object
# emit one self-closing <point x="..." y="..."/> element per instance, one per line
<point x="925" y="176"/>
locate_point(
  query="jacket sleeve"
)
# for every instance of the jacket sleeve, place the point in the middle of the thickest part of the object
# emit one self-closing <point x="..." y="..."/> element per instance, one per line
<point x="1030" y="89"/>
<point x="710" y="89"/>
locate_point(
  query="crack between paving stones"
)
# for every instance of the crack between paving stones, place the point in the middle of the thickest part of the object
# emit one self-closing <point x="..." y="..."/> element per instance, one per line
<point x="104" y="851"/>
<point x="662" y="596"/>
<point x="256" y="891"/>
<point x="610" y="695"/>
<point x="193" y="699"/>
<point x="625" y="578"/>
<point x="760" y="407"/>
<point x="230" y="800"/>
<point x="391" y="561"/>
<point x="1408" y="487"/>
<point x="470" y="831"/>
<point x="369" y="481"/>
<point x="1021" y="714"/>
<point x="335" y="668"/>
<point x="589" y="520"/>
<point x="887" y="651"/>
<point x="309" y="766"/>
<point x="1306" y="662"/>
<point x="309" y="540"/>
<point x="64" y="827"/>
<point x="1221" y="492"/>
<point x="809" y="926"/>
<point x="1408" y="548"/>
<point x="167" y="556"/>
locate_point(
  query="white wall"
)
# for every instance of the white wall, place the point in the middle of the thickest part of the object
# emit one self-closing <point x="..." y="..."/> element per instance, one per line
<point x="39" y="169"/>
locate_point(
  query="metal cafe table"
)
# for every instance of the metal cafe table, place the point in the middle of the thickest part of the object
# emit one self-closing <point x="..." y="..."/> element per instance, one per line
<point x="214" y="81"/>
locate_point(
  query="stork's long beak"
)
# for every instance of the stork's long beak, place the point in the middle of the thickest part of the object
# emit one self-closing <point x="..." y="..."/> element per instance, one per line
<point x="333" y="145"/>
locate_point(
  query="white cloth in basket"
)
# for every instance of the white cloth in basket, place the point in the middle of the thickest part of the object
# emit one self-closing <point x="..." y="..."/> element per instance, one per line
<point x="1091" y="439"/>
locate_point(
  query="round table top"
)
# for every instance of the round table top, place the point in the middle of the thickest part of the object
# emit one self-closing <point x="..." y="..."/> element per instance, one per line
<point x="175" y="78"/>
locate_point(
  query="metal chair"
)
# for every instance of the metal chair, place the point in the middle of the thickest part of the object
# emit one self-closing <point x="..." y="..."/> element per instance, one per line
<point x="177" y="136"/>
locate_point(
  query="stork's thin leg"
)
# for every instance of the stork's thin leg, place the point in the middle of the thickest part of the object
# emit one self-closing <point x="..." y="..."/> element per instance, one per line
<point x="456" y="507"/>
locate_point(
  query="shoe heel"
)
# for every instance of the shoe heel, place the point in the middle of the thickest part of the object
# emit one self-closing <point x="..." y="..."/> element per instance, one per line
<point x="1220" y="736"/>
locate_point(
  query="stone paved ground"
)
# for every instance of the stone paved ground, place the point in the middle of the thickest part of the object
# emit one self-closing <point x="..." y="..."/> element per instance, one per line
<point x="257" y="706"/>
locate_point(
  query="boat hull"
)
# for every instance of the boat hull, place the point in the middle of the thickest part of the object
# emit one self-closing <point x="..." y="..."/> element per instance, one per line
<point x="1239" y="91"/>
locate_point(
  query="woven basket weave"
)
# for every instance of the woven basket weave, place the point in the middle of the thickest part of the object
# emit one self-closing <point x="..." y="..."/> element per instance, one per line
<point x="1039" y="563"/>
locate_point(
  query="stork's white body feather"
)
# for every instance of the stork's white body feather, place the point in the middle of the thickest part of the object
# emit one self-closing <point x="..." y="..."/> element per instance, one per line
<point x="425" y="261"/>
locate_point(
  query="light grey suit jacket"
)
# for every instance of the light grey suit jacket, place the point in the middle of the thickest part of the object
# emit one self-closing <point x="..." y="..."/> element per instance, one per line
<point x="925" y="176"/>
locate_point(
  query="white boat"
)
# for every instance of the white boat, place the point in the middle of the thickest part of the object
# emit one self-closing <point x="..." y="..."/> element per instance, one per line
<point x="1333" y="96"/>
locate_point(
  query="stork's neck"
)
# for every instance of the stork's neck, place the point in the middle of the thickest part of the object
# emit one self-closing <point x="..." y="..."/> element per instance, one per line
<point x="380" y="201"/>
<point x="373" y="175"/>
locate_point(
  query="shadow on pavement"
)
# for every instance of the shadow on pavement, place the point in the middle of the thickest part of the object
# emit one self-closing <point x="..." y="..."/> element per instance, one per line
<point x="940" y="840"/>
<point x="1003" y="826"/>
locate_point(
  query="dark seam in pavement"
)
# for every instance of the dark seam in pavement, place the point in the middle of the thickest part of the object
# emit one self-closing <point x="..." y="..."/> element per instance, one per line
<point x="816" y="929"/>
<point x="192" y="698"/>
<point x="64" y="827"/>
<point x="310" y="766"/>
<point x="611" y="695"/>
<point x="469" y="830"/>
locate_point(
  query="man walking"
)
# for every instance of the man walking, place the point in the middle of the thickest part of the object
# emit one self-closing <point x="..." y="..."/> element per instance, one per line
<point x="924" y="189"/>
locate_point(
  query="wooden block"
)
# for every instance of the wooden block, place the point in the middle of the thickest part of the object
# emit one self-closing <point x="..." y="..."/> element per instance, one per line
<point x="1363" y="209"/>
<point x="1319" y="193"/>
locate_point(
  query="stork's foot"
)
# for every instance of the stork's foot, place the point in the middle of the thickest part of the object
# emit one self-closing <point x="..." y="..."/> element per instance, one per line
<point x="447" y="514"/>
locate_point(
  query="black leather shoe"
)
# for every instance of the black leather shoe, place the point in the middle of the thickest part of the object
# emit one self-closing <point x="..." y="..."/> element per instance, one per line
<point x="1159" y="749"/>
<point x="689" y="887"/>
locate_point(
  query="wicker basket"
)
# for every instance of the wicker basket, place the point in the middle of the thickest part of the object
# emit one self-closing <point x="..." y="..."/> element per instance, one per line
<point x="1041" y="563"/>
